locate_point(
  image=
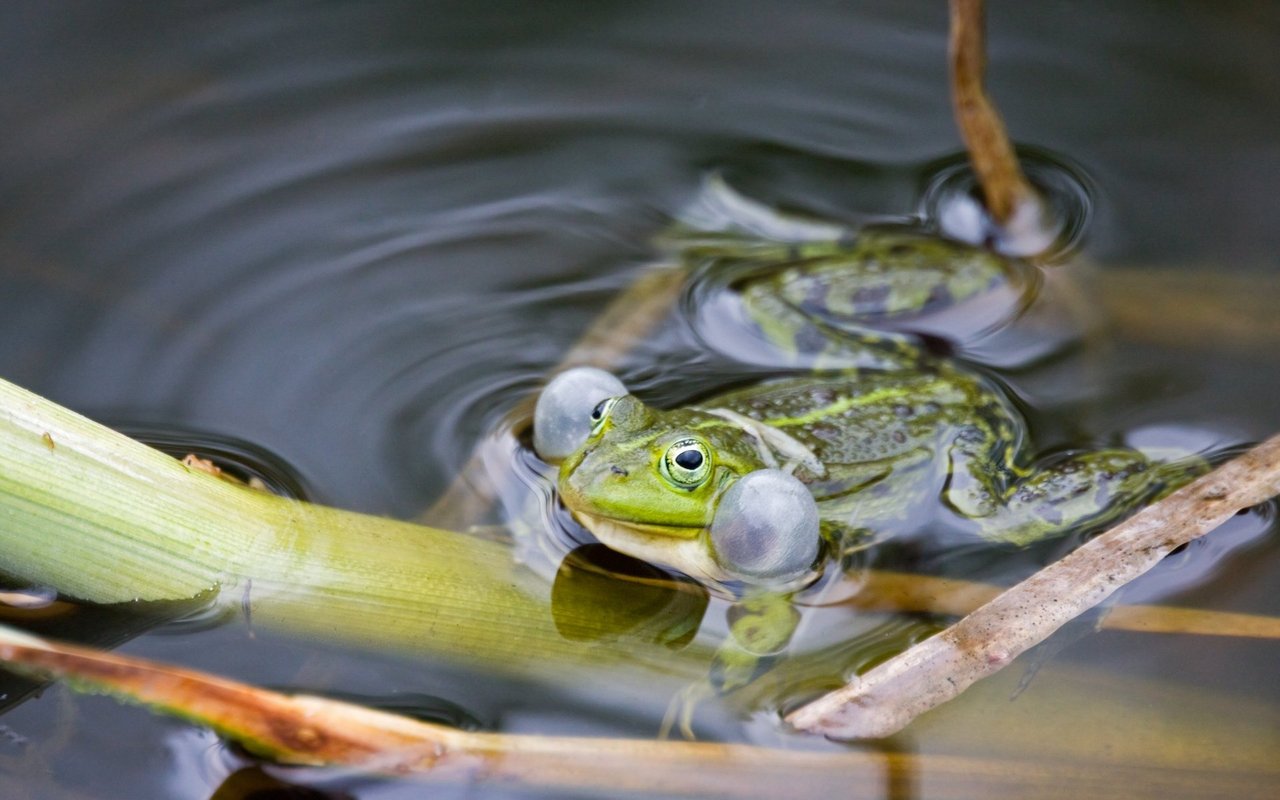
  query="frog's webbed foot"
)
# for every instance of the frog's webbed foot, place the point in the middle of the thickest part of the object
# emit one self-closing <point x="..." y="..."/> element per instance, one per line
<point x="731" y="669"/>
<point x="847" y="275"/>
<point x="833" y="296"/>
<point x="760" y="629"/>
<point x="1074" y="631"/>
<point x="1079" y="491"/>
<point x="720" y="222"/>
<point x="848" y="541"/>
<point x="680" y="711"/>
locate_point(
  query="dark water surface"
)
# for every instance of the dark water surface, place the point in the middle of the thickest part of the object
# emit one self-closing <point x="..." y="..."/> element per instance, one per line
<point x="354" y="234"/>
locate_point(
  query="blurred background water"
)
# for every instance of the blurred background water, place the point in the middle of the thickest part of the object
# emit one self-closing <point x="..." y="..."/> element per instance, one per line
<point x="354" y="234"/>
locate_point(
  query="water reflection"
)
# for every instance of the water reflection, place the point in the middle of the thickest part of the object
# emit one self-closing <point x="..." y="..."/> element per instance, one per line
<point x="252" y="783"/>
<point x="635" y="599"/>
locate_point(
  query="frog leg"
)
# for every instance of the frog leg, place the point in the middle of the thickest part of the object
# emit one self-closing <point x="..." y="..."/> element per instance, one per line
<point x="1021" y="505"/>
<point x="821" y="293"/>
<point x="679" y="714"/>
<point x="803" y="339"/>
<point x="760" y="628"/>
<point x="761" y="625"/>
<point x="736" y="225"/>
<point x="854" y="293"/>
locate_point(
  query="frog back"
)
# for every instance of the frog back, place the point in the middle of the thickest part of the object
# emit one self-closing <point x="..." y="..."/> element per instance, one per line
<point x="879" y="434"/>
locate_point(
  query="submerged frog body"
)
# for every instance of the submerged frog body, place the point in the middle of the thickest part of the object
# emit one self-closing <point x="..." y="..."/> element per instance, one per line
<point x="882" y="453"/>
<point x="908" y="442"/>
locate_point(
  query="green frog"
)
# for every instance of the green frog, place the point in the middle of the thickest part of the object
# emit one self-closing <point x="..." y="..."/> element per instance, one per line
<point x="754" y="490"/>
<point x="911" y="442"/>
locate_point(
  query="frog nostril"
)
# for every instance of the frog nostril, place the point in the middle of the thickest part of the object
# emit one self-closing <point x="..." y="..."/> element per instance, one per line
<point x="617" y="470"/>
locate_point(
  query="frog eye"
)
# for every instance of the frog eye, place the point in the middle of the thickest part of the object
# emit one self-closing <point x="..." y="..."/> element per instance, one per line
<point x="600" y="413"/>
<point x="687" y="463"/>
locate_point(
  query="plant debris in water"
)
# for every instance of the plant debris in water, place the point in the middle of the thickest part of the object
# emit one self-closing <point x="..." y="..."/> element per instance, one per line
<point x="890" y="696"/>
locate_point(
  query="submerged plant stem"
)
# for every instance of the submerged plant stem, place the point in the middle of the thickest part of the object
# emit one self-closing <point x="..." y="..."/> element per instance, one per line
<point x="890" y="696"/>
<point x="908" y="592"/>
<point x="299" y="729"/>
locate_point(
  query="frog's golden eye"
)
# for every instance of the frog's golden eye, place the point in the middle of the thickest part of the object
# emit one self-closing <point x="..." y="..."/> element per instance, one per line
<point x="687" y="463"/>
<point x="601" y="412"/>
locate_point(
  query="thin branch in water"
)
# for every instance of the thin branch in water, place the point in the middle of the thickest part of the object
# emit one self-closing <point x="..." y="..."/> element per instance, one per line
<point x="298" y="729"/>
<point x="315" y="731"/>
<point x="909" y="592"/>
<point x="1003" y="183"/>
<point x="1206" y="307"/>
<point x="886" y="699"/>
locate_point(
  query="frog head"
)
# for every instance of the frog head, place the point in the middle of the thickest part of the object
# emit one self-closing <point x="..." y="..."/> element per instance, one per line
<point x="672" y="487"/>
<point x="657" y="471"/>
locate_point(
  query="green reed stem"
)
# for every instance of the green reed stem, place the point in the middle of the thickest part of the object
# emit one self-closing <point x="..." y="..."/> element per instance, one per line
<point x="105" y="519"/>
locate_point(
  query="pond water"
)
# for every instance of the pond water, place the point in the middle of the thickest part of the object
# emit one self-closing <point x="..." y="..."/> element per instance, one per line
<point x="354" y="235"/>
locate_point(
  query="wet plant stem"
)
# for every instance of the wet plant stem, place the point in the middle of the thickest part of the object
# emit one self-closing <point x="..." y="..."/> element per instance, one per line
<point x="299" y="729"/>
<point x="102" y="518"/>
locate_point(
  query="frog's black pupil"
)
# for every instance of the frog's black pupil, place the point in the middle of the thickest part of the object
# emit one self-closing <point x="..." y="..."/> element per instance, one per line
<point x="598" y="411"/>
<point x="689" y="459"/>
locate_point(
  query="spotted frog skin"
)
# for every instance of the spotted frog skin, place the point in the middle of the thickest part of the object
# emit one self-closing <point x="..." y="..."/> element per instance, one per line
<point x="903" y="445"/>
<point x="858" y="301"/>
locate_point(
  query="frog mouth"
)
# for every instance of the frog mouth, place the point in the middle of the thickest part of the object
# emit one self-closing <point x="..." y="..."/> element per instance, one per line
<point x="591" y="521"/>
<point x="680" y="547"/>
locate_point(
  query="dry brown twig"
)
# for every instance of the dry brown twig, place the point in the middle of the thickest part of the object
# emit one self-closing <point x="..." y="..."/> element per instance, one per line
<point x="891" y="695"/>
<point x="1003" y="184"/>
<point x="907" y="592"/>
<point x="296" y="729"/>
